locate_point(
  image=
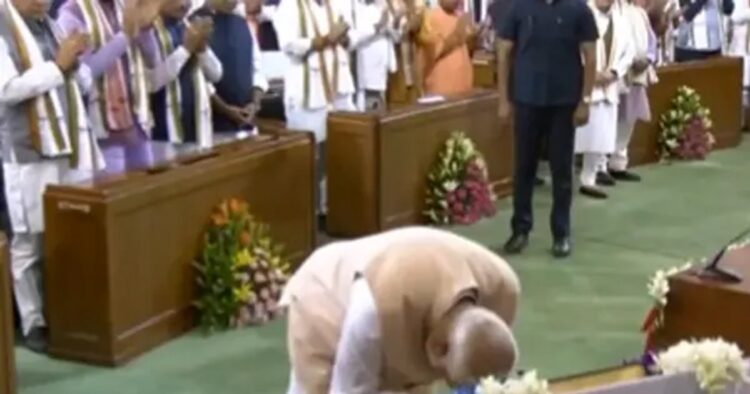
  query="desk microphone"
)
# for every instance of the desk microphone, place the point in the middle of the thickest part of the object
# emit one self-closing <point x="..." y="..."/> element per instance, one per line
<point x="713" y="271"/>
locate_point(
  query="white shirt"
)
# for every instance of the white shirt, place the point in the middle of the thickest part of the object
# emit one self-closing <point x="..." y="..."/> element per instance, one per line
<point x="169" y="70"/>
<point x="700" y="31"/>
<point x="296" y="47"/>
<point x="376" y="57"/>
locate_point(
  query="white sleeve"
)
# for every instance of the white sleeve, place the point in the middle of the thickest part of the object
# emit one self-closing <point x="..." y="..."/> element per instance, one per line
<point x="259" y="79"/>
<point x="168" y="70"/>
<point x="16" y="88"/>
<point x="356" y="369"/>
<point x="741" y="15"/>
<point x="211" y="66"/>
<point x="285" y="22"/>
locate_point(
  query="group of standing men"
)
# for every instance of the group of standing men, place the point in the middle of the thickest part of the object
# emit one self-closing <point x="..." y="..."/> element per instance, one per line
<point x="574" y="77"/>
<point x="109" y="74"/>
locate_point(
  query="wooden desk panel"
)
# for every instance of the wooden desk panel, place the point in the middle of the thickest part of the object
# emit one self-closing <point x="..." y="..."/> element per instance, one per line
<point x="378" y="164"/>
<point x="7" y="333"/>
<point x="119" y="279"/>
<point x="718" y="81"/>
<point x="699" y="308"/>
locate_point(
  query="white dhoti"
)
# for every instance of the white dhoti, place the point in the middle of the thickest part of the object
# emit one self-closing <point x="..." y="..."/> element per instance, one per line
<point x="316" y="120"/>
<point x="634" y="107"/>
<point x="596" y="140"/>
<point x="24" y="190"/>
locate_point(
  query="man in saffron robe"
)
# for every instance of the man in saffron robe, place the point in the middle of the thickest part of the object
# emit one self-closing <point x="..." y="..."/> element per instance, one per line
<point x="240" y="90"/>
<point x="181" y="101"/>
<point x="448" y="67"/>
<point x="45" y="138"/>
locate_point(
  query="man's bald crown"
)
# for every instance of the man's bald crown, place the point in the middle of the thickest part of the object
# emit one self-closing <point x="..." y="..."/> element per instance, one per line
<point x="480" y="344"/>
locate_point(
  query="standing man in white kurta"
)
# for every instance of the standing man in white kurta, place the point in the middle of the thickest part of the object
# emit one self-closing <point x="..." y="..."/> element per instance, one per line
<point x="45" y="138"/>
<point x="316" y="35"/>
<point x="376" y="57"/>
<point x="740" y="46"/>
<point x="614" y="55"/>
<point x="634" y="104"/>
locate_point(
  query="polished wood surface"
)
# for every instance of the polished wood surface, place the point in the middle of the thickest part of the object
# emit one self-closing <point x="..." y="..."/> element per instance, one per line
<point x="119" y="249"/>
<point x="378" y="164"/>
<point x="485" y="70"/>
<point x="7" y="352"/>
<point x="718" y="81"/>
<point x="594" y="379"/>
<point x="699" y="308"/>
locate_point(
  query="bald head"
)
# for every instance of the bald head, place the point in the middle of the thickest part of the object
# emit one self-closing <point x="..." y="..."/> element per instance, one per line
<point x="477" y="343"/>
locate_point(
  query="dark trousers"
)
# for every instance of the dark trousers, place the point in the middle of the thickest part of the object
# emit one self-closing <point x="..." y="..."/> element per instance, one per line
<point x="689" y="55"/>
<point x="533" y="127"/>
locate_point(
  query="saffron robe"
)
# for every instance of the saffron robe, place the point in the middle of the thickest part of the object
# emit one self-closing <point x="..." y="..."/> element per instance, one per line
<point x="453" y="74"/>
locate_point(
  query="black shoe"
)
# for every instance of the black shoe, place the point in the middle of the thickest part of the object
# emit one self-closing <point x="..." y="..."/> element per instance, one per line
<point x="516" y="243"/>
<point x="561" y="248"/>
<point x="625" y="176"/>
<point x="538" y="182"/>
<point x="593" y="192"/>
<point x="604" y="179"/>
<point x="36" y="341"/>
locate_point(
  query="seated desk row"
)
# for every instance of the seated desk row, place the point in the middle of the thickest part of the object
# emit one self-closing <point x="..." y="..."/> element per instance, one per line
<point x="377" y="164"/>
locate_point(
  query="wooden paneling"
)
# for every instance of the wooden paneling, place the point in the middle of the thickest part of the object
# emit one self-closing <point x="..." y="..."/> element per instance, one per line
<point x="718" y="81"/>
<point x="119" y="279"/>
<point x="7" y="352"/>
<point x="378" y="164"/>
<point x="699" y="308"/>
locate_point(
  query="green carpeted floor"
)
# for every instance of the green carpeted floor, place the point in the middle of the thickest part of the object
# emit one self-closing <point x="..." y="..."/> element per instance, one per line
<point x="576" y="315"/>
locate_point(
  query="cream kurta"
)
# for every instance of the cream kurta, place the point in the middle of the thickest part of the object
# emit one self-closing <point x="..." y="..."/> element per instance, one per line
<point x="740" y="44"/>
<point x="599" y="134"/>
<point x="376" y="57"/>
<point x="401" y="267"/>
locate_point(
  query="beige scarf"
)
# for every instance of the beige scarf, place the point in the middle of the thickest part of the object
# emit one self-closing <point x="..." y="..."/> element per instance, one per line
<point x="330" y="88"/>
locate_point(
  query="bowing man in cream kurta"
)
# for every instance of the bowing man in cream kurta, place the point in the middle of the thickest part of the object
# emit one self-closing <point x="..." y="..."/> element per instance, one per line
<point x="316" y="36"/>
<point x="45" y="138"/>
<point x="372" y="315"/>
<point x="614" y="56"/>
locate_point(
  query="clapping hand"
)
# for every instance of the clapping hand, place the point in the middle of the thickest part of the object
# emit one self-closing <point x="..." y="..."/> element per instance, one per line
<point x="70" y="49"/>
<point x="604" y="78"/>
<point x="338" y="32"/>
<point x="197" y="34"/>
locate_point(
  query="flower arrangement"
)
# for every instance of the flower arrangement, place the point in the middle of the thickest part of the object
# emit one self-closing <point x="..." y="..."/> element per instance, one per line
<point x="458" y="190"/>
<point x="528" y="383"/>
<point x="241" y="272"/>
<point x="686" y="128"/>
<point x="658" y="289"/>
<point x="716" y="363"/>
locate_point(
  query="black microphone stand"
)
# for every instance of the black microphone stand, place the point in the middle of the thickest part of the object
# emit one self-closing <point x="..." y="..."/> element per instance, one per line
<point x="712" y="271"/>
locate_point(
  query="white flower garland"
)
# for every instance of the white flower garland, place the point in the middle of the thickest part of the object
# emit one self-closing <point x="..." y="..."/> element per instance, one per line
<point x="715" y="363"/>
<point x="658" y="285"/>
<point x="529" y="383"/>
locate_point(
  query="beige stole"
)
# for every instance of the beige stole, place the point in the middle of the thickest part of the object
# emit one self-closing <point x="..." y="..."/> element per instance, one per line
<point x="330" y="88"/>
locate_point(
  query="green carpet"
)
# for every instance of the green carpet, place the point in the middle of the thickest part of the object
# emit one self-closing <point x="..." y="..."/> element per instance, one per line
<point x="577" y="315"/>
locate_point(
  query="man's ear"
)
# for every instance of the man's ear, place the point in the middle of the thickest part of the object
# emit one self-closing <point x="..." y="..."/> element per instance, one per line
<point x="437" y="349"/>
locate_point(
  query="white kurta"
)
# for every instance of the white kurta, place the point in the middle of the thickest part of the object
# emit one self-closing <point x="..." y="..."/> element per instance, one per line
<point x="376" y="57"/>
<point x="296" y="46"/>
<point x="600" y="133"/>
<point x="740" y="44"/>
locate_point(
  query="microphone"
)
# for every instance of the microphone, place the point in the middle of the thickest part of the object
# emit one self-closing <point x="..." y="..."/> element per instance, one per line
<point x="713" y="271"/>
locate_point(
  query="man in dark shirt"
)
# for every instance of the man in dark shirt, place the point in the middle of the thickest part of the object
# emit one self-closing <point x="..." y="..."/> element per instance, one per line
<point x="545" y="88"/>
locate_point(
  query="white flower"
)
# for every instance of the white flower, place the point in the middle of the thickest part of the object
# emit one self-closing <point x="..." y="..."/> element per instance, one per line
<point x="658" y="285"/>
<point x="450" y="186"/>
<point x="529" y="383"/>
<point x="489" y="385"/>
<point x="715" y="363"/>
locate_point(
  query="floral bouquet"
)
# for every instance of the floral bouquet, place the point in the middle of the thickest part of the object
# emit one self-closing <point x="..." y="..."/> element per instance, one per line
<point x="528" y="383"/>
<point x="658" y="288"/>
<point x="686" y="128"/>
<point x="458" y="190"/>
<point x="715" y="363"/>
<point x="241" y="272"/>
